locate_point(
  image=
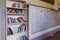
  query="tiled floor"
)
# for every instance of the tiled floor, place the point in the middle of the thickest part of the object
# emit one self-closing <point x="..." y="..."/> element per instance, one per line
<point x="55" y="37"/>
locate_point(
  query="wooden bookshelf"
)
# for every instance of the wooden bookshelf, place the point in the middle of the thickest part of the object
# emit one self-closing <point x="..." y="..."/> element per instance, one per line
<point x="13" y="21"/>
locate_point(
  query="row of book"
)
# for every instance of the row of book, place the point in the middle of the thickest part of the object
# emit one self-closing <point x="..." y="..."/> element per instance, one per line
<point x="19" y="5"/>
<point x="15" y="20"/>
<point x="11" y="10"/>
<point x="16" y="4"/>
<point x="22" y="38"/>
<point x="20" y="29"/>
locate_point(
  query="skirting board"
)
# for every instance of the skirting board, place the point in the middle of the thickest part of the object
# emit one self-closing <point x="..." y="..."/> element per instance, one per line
<point x="44" y="34"/>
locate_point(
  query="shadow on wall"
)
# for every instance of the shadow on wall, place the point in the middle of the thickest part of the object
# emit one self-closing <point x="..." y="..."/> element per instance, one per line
<point x="57" y="18"/>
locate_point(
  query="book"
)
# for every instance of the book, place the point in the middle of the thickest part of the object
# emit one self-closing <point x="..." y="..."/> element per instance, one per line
<point x="9" y="31"/>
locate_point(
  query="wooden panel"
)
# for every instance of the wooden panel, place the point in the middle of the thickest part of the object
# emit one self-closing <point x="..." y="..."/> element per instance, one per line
<point x="59" y="3"/>
<point x="49" y="1"/>
<point x="15" y="0"/>
<point x="39" y="3"/>
<point x="43" y="4"/>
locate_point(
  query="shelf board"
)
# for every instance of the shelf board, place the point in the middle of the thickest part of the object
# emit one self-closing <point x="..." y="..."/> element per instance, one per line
<point x="15" y="36"/>
<point x="15" y="13"/>
<point x="14" y="24"/>
<point x="15" y="8"/>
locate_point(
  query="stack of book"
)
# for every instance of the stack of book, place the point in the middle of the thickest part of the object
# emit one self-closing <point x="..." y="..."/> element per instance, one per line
<point x="15" y="20"/>
<point x="14" y="30"/>
<point x="21" y="28"/>
<point x="12" y="10"/>
<point x="22" y="38"/>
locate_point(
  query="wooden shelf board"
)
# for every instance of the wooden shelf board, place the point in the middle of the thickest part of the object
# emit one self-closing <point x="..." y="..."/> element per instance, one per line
<point x="14" y="24"/>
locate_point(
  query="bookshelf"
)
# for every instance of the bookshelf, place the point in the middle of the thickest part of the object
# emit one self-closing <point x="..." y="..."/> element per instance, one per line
<point x="16" y="20"/>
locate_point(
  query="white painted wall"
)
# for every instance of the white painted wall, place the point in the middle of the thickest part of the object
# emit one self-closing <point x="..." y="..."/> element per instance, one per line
<point x="41" y="19"/>
<point x="2" y="19"/>
<point x="0" y="26"/>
